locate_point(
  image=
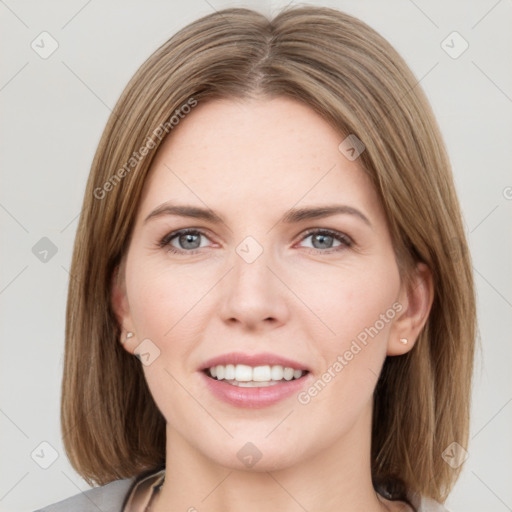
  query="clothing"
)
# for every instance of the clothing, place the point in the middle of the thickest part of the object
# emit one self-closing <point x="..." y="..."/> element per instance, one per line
<point x="134" y="495"/>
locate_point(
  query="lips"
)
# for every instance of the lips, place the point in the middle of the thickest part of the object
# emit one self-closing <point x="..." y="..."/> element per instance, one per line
<point x="253" y="380"/>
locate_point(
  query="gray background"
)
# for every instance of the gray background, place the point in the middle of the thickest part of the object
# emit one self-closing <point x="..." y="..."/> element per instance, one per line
<point x="53" y="112"/>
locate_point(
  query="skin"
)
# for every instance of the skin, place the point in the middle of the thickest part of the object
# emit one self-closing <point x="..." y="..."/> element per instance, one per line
<point x="251" y="161"/>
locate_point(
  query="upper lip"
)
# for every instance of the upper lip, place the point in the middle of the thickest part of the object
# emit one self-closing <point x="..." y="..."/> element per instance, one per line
<point x="261" y="359"/>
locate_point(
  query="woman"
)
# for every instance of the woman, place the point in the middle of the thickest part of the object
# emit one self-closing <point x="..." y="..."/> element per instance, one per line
<point x="269" y="227"/>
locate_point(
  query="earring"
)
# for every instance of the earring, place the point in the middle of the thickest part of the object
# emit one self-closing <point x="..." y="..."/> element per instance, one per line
<point x="404" y="341"/>
<point x="129" y="335"/>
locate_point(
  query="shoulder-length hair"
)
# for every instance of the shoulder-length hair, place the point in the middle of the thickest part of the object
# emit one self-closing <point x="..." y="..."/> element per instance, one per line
<point x="357" y="82"/>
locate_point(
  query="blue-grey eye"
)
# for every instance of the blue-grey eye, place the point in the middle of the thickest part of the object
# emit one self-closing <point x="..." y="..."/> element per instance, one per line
<point x="191" y="240"/>
<point x="183" y="241"/>
<point x="322" y="240"/>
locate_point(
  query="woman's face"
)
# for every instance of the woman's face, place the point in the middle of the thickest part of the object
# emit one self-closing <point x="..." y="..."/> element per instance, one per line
<point x="268" y="287"/>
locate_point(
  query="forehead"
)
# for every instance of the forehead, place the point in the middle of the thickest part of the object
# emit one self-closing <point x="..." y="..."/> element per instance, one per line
<point x="261" y="153"/>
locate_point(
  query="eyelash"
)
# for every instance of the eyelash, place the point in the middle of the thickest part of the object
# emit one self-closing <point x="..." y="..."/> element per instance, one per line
<point x="345" y="240"/>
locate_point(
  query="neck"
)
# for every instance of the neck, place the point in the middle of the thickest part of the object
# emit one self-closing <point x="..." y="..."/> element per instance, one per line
<point x="337" y="478"/>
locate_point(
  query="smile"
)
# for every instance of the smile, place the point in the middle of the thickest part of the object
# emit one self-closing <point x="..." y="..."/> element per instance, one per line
<point x="254" y="376"/>
<point x="254" y="380"/>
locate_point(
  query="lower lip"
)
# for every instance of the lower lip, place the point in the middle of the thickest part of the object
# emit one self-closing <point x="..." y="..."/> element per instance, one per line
<point x="254" y="397"/>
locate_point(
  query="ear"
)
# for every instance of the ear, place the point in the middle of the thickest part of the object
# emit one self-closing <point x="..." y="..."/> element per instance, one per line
<point x="121" y="308"/>
<point x="416" y="297"/>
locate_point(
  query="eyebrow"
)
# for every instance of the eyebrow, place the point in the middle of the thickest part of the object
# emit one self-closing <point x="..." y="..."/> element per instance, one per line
<point x="293" y="215"/>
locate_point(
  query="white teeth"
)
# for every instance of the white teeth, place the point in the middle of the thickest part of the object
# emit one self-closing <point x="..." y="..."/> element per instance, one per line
<point x="288" y="373"/>
<point x="230" y="372"/>
<point x="243" y="373"/>
<point x="277" y="373"/>
<point x="261" y="373"/>
<point x="259" y="376"/>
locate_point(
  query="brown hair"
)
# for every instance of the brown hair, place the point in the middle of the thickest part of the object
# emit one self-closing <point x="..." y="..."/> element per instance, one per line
<point x="358" y="83"/>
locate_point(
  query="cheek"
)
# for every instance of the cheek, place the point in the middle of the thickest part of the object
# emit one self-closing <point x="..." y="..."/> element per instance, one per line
<point x="347" y="300"/>
<point x="162" y="299"/>
<point x="356" y="309"/>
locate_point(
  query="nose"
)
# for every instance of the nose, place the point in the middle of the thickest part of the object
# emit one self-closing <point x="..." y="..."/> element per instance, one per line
<point x="254" y="295"/>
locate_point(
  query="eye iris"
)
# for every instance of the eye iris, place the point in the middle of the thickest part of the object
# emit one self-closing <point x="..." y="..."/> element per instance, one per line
<point x="323" y="239"/>
<point x="187" y="241"/>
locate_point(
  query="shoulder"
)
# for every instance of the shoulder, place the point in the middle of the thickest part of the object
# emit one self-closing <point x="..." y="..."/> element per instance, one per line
<point x="107" y="498"/>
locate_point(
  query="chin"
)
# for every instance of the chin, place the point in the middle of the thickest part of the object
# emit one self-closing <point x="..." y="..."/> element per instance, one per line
<point x="255" y="454"/>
